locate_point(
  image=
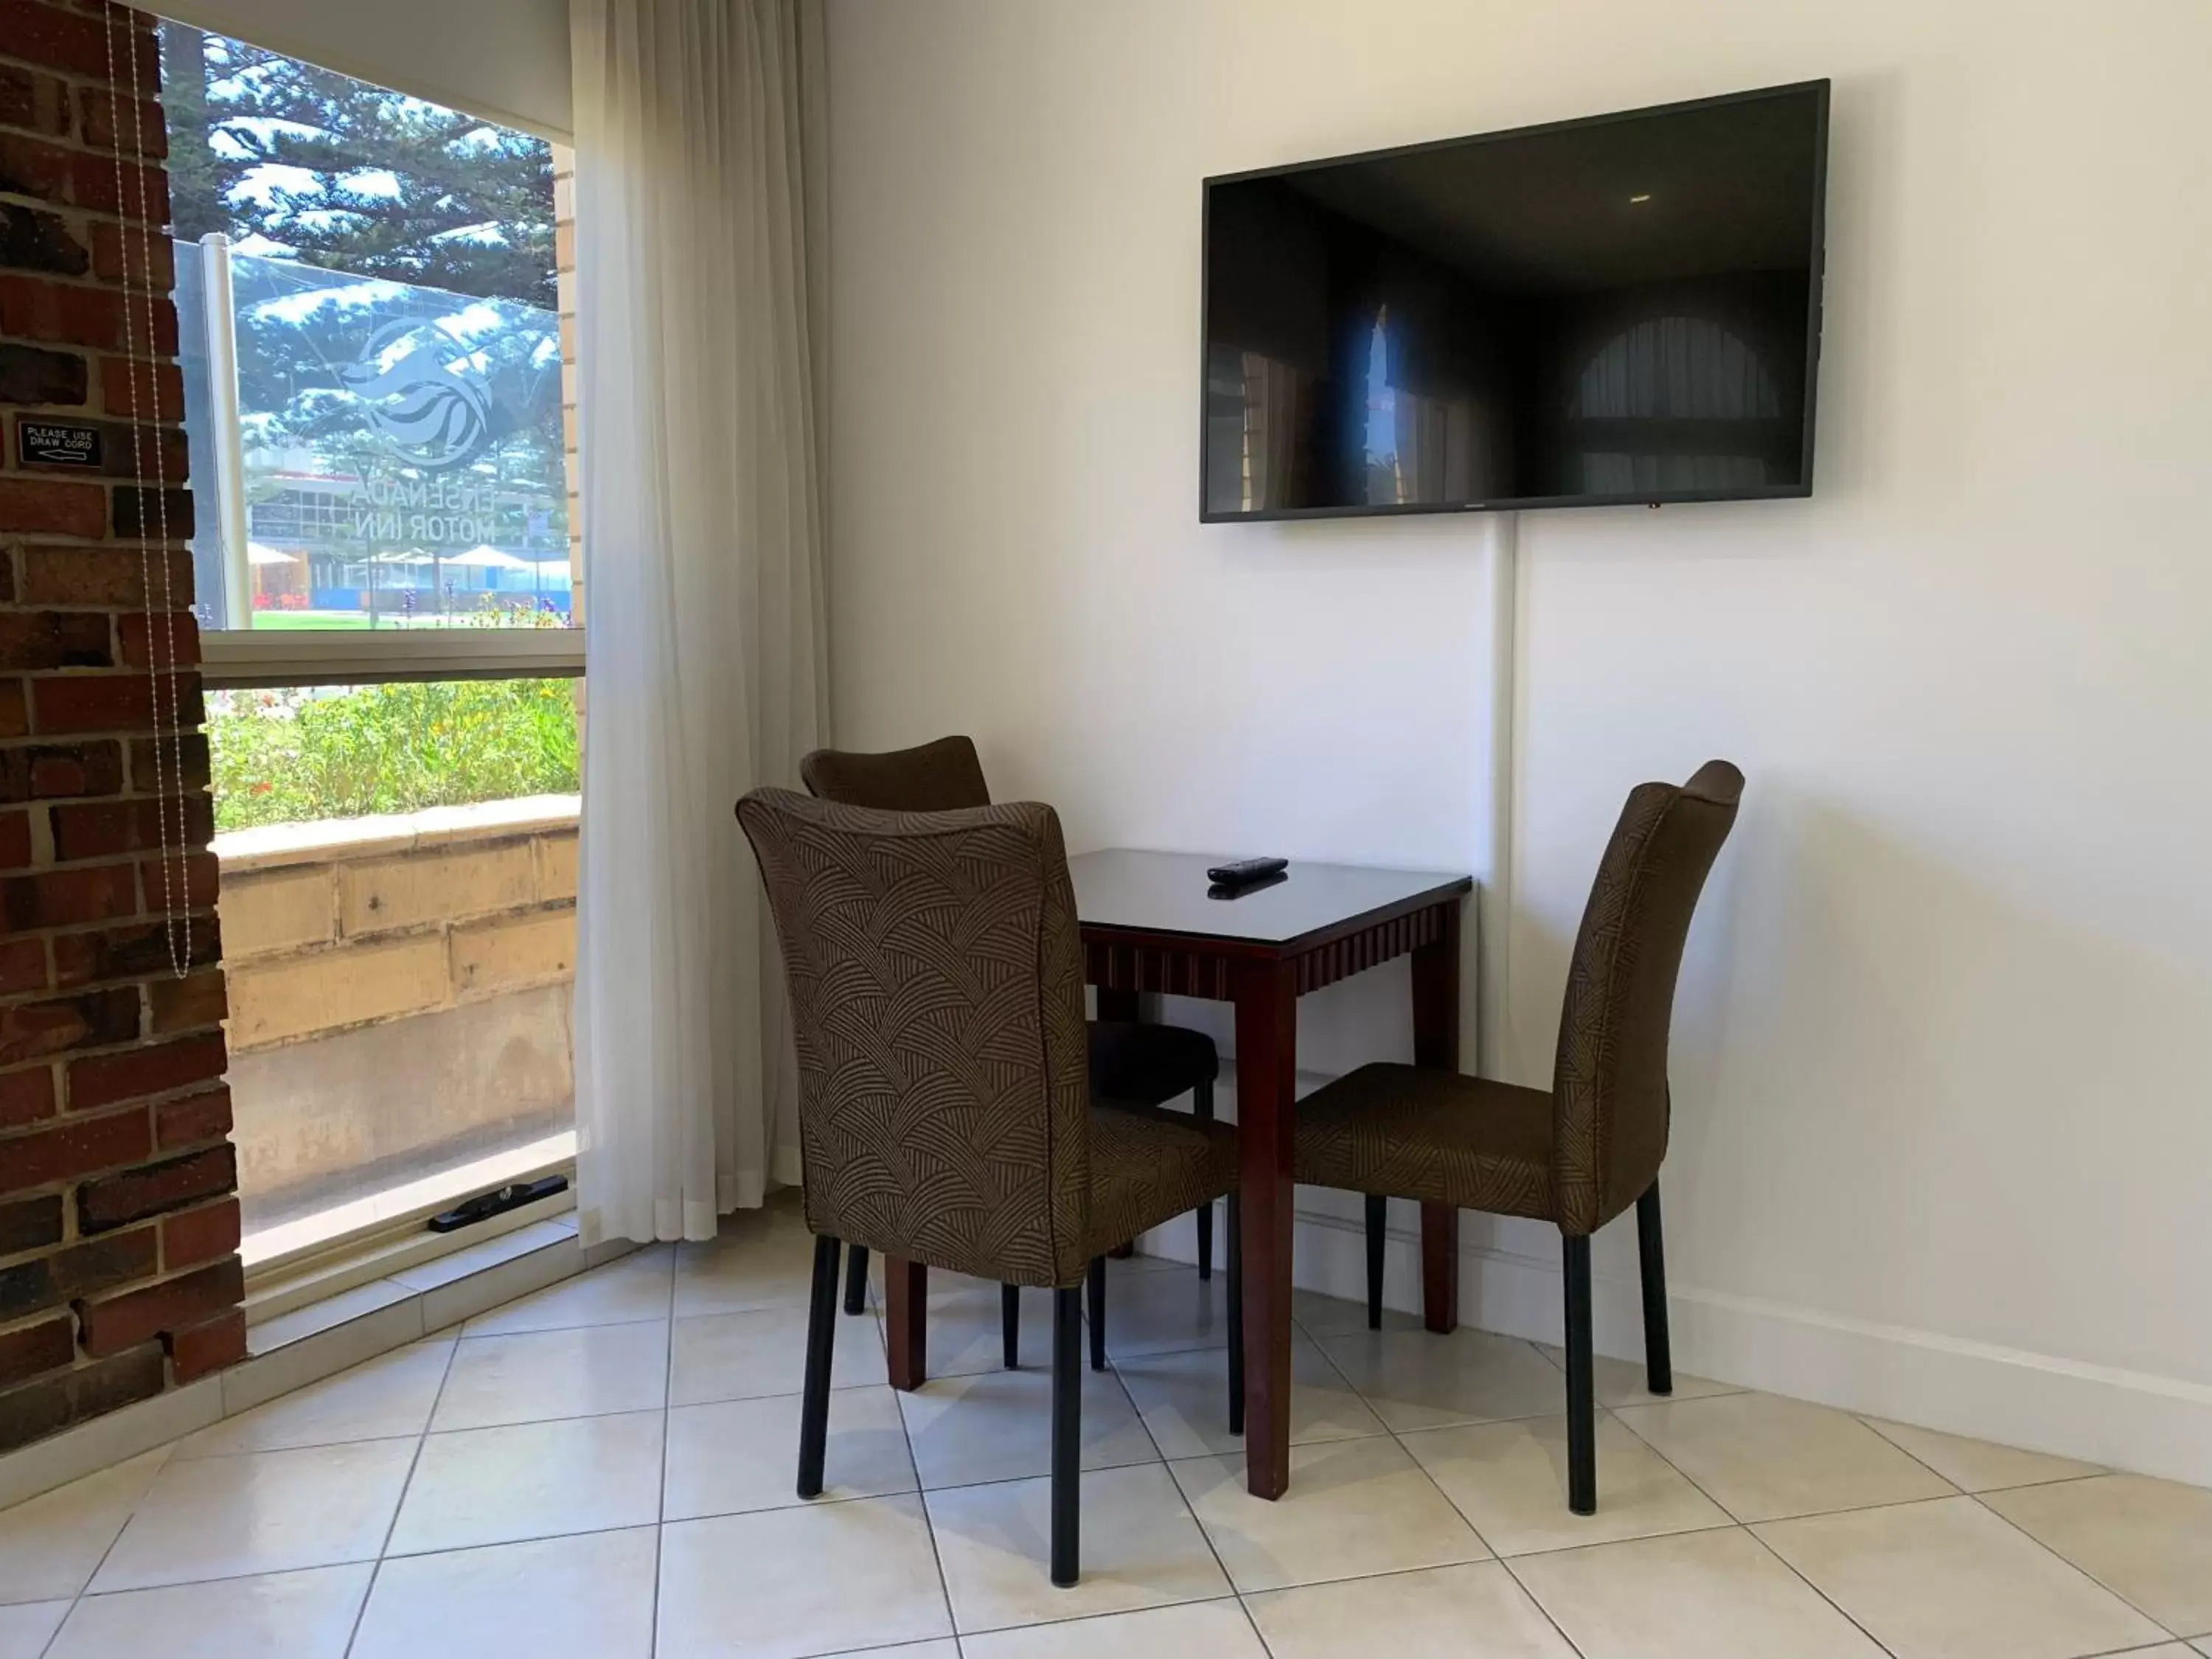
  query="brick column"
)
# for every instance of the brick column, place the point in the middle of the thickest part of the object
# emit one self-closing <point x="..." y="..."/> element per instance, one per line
<point x="119" y="1230"/>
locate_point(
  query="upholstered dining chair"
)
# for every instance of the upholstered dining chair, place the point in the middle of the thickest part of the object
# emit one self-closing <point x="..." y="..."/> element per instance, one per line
<point x="1141" y="1064"/>
<point x="1587" y="1148"/>
<point x="946" y="1115"/>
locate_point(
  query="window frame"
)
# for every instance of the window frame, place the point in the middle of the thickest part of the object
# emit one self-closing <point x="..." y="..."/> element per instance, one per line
<point x="243" y="657"/>
<point x="238" y="658"/>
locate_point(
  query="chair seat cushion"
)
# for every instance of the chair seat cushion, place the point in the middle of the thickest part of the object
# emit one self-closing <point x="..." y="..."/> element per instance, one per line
<point x="1413" y="1132"/>
<point x="1148" y="1166"/>
<point x="1148" y="1064"/>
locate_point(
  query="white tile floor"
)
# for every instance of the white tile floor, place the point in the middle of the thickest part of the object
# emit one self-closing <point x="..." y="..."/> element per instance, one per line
<point x="604" y="1470"/>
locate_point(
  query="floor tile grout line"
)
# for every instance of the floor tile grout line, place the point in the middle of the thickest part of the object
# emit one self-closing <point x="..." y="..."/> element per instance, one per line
<point x="1408" y="1572"/>
<point x="305" y="1445"/>
<point x="1407" y="1452"/>
<point x="1397" y="1438"/>
<point x="1537" y="1602"/>
<point x="85" y="1588"/>
<point x="1058" y="1624"/>
<point x="2093" y="1472"/>
<point x="1746" y="1527"/>
<point x="1791" y="1567"/>
<point x="1167" y="1467"/>
<point x="906" y="1439"/>
<point x="168" y="1455"/>
<point x="467" y="1335"/>
<point x="376" y="1571"/>
<point x="85" y="1591"/>
<point x="929" y="1531"/>
<point x="1976" y="1498"/>
<point x="2058" y="1555"/>
<point x="240" y="1577"/>
<point x="660" y="1496"/>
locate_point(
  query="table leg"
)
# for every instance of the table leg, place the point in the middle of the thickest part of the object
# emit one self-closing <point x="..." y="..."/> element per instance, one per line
<point x="905" y="1321"/>
<point x="1436" y="1043"/>
<point x="1117" y="1003"/>
<point x="1266" y="1070"/>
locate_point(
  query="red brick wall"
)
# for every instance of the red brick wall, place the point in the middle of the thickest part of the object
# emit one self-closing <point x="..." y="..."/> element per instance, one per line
<point x="118" y="1231"/>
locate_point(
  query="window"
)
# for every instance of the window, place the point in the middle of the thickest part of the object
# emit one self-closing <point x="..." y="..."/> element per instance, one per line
<point x="390" y="599"/>
<point x="371" y="344"/>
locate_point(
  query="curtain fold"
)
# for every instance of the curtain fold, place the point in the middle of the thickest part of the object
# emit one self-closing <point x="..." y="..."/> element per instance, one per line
<point x="701" y="269"/>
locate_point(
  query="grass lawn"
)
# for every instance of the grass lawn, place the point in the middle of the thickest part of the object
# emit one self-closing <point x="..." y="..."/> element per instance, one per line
<point x="265" y="621"/>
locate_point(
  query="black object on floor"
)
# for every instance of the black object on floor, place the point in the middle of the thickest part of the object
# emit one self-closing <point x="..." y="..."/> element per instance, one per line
<point x="484" y="1206"/>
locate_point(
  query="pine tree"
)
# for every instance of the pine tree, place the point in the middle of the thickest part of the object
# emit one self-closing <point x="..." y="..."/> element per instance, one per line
<point x="376" y="183"/>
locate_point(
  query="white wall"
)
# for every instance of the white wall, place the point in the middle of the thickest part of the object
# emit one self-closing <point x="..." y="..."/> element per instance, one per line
<point x="1943" y="1084"/>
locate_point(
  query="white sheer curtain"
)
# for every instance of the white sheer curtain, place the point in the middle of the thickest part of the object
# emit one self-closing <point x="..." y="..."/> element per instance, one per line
<point x="701" y="153"/>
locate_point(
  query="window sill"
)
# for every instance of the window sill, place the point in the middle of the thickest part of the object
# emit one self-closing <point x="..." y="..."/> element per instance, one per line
<point x="349" y="1244"/>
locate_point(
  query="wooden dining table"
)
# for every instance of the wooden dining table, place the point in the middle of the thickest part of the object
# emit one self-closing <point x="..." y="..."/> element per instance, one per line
<point x="1152" y="923"/>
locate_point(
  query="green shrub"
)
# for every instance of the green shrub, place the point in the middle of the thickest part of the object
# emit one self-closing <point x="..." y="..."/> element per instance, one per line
<point x="285" y="756"/>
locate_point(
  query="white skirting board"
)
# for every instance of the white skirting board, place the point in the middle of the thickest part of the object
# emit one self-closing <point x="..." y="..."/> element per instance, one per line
<point x="2124" y="1420"/>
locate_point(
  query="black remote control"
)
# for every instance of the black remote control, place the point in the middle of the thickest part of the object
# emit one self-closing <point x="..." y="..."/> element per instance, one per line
<point x="1244" y="872"/>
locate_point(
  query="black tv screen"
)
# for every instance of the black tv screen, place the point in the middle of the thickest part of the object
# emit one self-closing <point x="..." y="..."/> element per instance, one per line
<point x="1617" y="310"/>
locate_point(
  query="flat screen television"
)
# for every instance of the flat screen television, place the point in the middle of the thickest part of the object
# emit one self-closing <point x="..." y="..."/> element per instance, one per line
<point x="1625" y="309"/>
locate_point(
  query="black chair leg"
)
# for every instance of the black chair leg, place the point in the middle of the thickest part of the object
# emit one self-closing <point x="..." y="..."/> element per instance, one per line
<point x="1096" y="1281"/>
<point x="1378" y="1218"/>
<point x="1651" y="1251"/>
<point x="1010" y="1323"/>
<point x="821" y="1338"/>
<point x="856" y="1280"/>
<point x="1201" y="1106"/>
<point x="1067" y="1431"/>
<point x="1236" y="1319"/>
<point x="1582" y="1381"/>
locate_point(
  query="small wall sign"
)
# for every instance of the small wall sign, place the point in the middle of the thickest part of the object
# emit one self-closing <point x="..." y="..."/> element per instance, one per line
<point x="56" y="443"/>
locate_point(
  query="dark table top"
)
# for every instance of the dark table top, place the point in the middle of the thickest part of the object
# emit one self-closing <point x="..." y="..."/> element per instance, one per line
<point x="1148" y="893"/>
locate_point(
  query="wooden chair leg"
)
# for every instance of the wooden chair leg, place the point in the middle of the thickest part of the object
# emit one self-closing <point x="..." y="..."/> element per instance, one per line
<point x="1010" y="1324"/>
<point x="1439" y="1268"/>
<point x="1067" y="1432"/>
<point x="1582" y="1381"/>
<point x="1378" y="1218"/>
<point x="1201" y="1106"/>
<point x="1235" y="1319"/>
<point x="821" y="1338"/>
<point x="1651" y="1252"/>
<point x="1096" y="1281"/>
<point x="856" y="1280"/>
<point x="906" y="1322"/>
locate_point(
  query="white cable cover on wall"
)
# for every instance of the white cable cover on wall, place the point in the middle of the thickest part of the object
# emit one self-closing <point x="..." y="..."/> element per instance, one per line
<point x="507" y="60"/>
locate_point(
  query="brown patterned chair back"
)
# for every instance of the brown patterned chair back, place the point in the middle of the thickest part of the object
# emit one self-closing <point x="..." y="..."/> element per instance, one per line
<point x="936" y="988"/>
<point x="1609" y="1089"/>
<point x="931" y="777"/>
